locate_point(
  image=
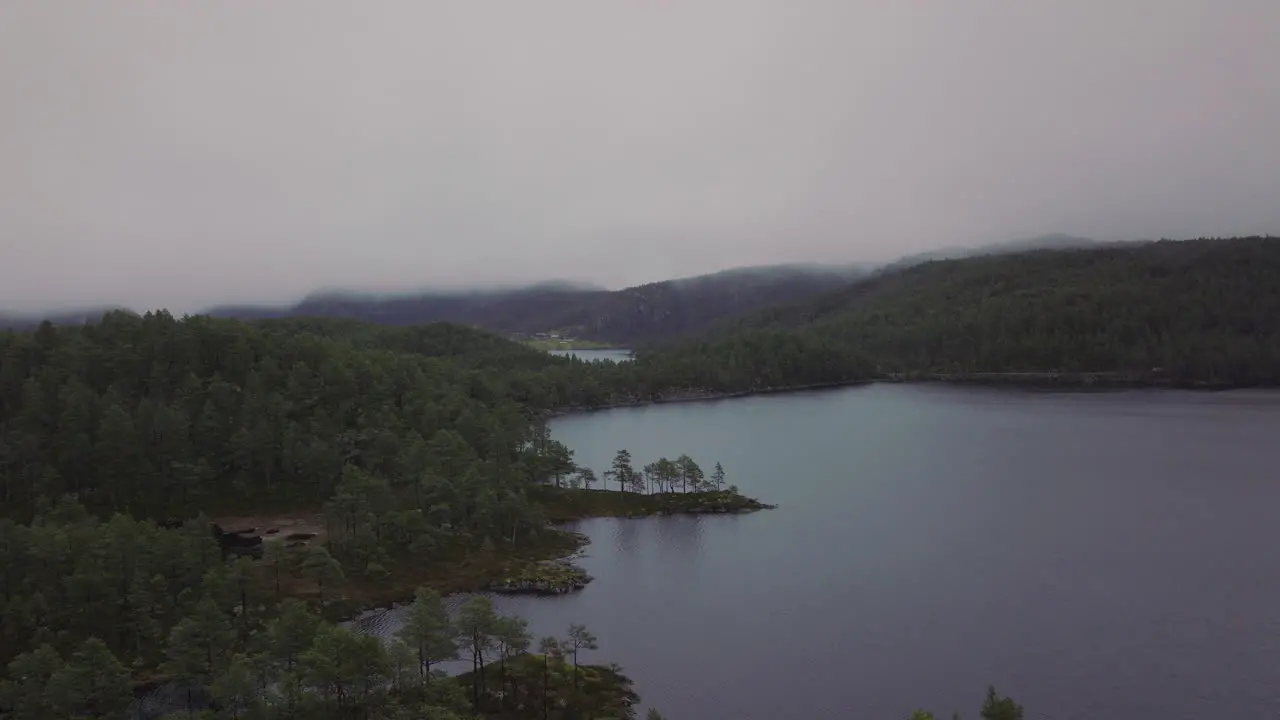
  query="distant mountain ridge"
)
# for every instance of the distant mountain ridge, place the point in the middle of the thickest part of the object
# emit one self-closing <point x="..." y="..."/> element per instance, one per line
<point x="648" y="313"/>
<point x="1051" y="241"/>
<point x="64" y="317"/>
<point x="1202" y="313"/>
<point x="635" y="315"/>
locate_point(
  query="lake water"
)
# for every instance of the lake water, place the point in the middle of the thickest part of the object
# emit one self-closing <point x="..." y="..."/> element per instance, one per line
<point x="1096" y="555"/>
<point x="611" y="354"/>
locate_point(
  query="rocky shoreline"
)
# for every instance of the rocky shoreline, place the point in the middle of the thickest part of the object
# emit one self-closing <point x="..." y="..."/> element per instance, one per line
<point x="710" y="503"/>
<point x="566" y="505"/>
<point x="551" y="577"/>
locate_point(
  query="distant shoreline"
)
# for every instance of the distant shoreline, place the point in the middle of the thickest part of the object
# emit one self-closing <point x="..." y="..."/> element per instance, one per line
<point x="568" y="345"/>
<point x="1030" y="380"/>
<point x="703" y="396"/>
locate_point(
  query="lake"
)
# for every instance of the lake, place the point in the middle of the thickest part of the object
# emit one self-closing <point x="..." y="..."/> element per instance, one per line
<point x="610" y="354"/>
<point x="1095" y="555"/>
<point x="1099" y="555"/>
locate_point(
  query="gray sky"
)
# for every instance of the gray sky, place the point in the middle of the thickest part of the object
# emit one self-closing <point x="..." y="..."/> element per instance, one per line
<point x="180" y="154"/>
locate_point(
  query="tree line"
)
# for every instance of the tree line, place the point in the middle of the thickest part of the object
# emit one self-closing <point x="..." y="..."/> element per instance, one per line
<point x="119" y="439"/>
<point x="662" y="475"/>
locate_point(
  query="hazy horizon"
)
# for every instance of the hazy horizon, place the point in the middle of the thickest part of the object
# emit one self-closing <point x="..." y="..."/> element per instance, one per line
<point x="376" y="293"/>
<point x="187" y="155"/>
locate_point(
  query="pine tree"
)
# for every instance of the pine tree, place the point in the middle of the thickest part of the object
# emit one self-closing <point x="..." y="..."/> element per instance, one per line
<point x="511" y="635"/>
<point x="27" y="692"/>
<point x="91" y="684"/>
<point x="199" y="645"/>
<point x="621" y="471"/>
<point x="476" y="624"/>
<point x="717" y="477"/>
<point x="997" y="707"/>
<point x="579" y="639"/>
<point x="428" y="631"/>
<point x="322" y="569"/>
<point x="548" y="647"/>
<point x="290" y="633"/>
<point x="691" y="476"/>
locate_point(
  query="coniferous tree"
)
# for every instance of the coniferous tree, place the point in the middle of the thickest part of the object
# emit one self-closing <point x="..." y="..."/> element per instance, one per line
<point x="579" y="639"/>
<point x="429" y="632"/>
<point x="476" y="625"/>
<point x="717" y="477"/>
<point x="998" y="707"/>
<point x="621" y="471"/>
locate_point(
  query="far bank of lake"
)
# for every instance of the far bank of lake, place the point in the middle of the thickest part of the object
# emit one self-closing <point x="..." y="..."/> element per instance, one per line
<point x="591" y="354"/>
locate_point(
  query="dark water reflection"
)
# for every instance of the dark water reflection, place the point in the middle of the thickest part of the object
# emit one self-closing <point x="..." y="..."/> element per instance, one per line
<point x="1108" y="555"/>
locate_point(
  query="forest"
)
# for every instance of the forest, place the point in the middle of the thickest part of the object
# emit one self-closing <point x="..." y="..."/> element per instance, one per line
<point x="1197" y="313"/>
<point x="120" y="440"/>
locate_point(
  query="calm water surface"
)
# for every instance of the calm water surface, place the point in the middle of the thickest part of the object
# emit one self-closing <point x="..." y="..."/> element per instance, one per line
<point x="1109" y="555"/>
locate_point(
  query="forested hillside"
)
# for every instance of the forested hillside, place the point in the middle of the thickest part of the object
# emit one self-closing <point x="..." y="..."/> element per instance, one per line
<point x="119" y="439"/>
<point x="1193" y="312"/>
<point x="632" y="316"/>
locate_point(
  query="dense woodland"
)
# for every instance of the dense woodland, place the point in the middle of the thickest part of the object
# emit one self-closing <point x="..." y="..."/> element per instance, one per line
<point x="118" y="439"/>
<point x="1190" y="312"/>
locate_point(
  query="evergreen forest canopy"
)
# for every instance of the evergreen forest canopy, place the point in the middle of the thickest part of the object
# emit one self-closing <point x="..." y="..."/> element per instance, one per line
<point x="1195" y="312"/>
<point x="118" y="439"/>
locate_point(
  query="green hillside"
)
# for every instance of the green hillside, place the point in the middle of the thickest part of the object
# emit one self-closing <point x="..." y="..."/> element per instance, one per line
<point x="1191" y="312"/>
<point x="359" y="460"/>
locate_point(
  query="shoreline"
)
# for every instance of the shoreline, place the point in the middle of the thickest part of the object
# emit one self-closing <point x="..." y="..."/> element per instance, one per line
<point x="1030" y="380"/>
<point x="706" y="396"/>
<point x="567" y="346"/>
<point x="479" y="570"/>
<point x="1041" y="379"/>
<point x="546" y="561"/>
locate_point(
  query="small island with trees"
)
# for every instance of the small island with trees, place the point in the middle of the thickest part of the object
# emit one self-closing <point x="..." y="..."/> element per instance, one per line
<point x="662" y="487"/>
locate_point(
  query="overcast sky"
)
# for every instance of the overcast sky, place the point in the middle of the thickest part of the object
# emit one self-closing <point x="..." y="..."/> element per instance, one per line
<point x="178" y="154"/>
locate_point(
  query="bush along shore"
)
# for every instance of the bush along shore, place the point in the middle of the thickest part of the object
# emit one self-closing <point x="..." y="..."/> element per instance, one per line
<point x="555" y="577"/>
